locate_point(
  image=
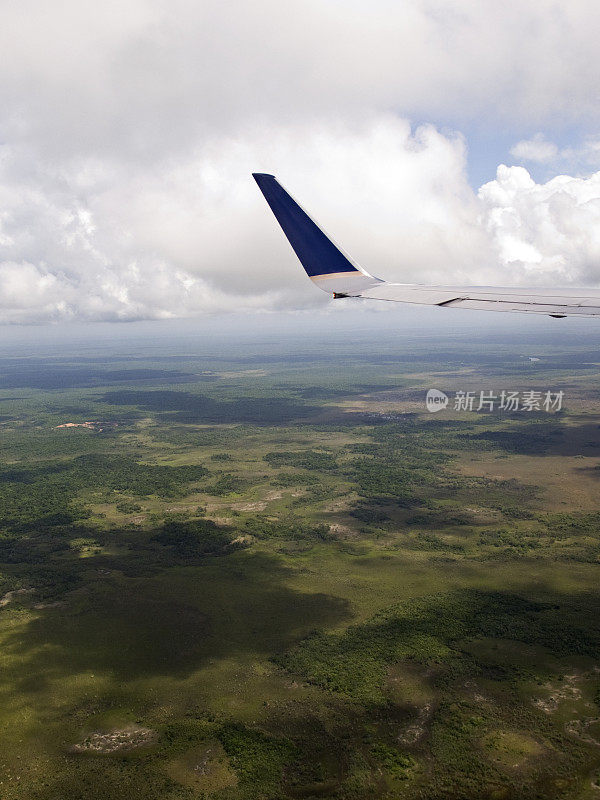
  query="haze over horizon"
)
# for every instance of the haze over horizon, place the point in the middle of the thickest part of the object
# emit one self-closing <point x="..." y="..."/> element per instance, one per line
<point x="438" y="143"/>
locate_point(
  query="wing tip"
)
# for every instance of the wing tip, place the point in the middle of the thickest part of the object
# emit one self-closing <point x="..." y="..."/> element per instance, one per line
<point x="321" y="258"/>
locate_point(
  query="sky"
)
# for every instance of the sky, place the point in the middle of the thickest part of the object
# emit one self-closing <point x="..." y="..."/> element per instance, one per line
<point x="449" y="141"/>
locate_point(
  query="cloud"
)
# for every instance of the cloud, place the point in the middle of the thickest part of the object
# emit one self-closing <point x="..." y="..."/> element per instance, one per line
<point x="148" y="78"/>
<point x="581" y="157"/>
<point x="543" y="234"/>
<point x="537" y="149"/>
<point x="128" y="133"/>
<point x="194" y="236"/>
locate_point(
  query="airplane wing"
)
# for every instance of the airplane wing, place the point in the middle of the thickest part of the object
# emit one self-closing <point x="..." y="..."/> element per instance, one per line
<point x="332" y="270"/>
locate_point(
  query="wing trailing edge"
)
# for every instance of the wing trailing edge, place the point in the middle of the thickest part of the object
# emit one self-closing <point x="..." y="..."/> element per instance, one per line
<point x="334" y="271"/>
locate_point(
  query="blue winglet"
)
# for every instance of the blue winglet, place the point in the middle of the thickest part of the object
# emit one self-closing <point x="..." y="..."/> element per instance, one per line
<point x="317" y="253"/>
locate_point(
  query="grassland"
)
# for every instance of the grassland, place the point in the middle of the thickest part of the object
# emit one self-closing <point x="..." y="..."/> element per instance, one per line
<point x="274" y="575"/>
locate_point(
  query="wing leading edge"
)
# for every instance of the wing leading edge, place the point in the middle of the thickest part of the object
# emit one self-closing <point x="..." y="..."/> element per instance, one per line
<point x="335" y="272"/>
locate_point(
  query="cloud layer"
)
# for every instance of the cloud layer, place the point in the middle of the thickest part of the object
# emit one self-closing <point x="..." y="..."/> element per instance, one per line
<point x="128" y="133"/>
<point x="149" y="76"/>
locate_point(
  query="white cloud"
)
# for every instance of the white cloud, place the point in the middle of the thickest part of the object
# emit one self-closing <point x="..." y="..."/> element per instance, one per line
<point x="128" y="133"/>
<point x="537" y="149"/>
<point x="543" y="234"/>
<point x="582" y="158"/>
<point x="194" y="235"/>
<point x="149" y="77"/>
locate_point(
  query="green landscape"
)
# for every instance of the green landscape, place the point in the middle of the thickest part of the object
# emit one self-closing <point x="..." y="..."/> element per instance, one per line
<point x="267" y="571"/>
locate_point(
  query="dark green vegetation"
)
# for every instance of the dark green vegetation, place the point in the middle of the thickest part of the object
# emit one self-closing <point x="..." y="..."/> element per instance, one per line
<point x="274" y="575"/>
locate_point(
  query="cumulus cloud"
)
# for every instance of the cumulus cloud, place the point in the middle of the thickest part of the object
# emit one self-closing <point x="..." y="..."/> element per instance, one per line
<point x="128" y="133"/>
<point x="544" y="234"/>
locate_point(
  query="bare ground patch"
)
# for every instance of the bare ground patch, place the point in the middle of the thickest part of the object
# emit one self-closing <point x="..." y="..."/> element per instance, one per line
<point x="567" y="690"/>
<point x="9" y="597"/>
<point x="116" y="741"/>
